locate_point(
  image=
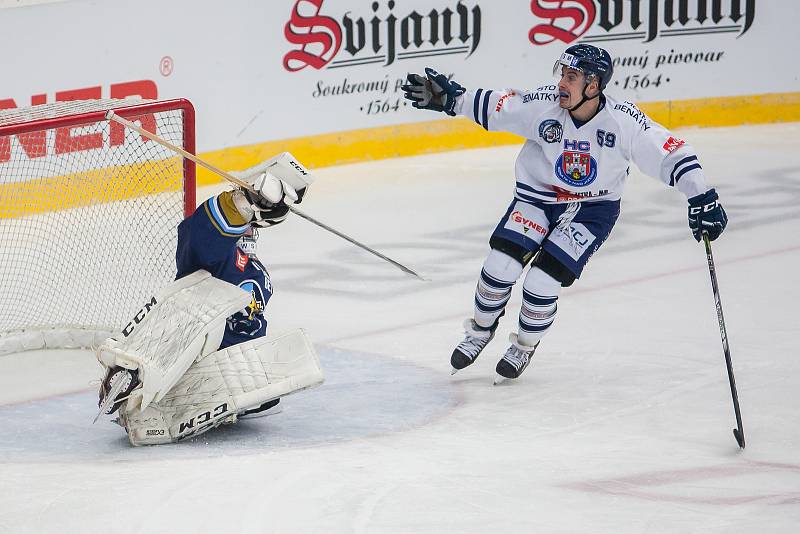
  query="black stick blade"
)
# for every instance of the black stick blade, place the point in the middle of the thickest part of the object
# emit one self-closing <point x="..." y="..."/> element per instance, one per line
<point x="739" y="437"/>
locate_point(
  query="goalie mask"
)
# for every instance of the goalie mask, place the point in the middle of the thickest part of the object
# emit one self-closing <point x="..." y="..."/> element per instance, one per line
<point x="247" y="243"/>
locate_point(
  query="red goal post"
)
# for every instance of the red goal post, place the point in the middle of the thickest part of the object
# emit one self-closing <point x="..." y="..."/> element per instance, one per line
<point x="88" y="217"/>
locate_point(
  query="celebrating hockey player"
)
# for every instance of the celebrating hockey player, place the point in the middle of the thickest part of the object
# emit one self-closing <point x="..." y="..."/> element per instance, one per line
<point x="196" y="356"/>
<point x="570" y="176"/>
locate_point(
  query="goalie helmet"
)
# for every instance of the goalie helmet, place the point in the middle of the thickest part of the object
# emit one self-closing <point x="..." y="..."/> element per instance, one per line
<point x="247" y="243"/>
<point x="589" y="59"/>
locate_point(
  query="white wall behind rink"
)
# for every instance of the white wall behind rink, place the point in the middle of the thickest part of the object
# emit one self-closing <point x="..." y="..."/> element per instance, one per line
<point x="259" y="71"/>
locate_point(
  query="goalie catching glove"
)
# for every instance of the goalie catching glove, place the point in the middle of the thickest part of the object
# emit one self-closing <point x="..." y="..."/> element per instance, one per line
<point x="275" y="184"/>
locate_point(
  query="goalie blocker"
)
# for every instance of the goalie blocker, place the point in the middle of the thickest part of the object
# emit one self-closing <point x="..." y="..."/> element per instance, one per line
<point x="284" y="167"/>
<point x="180" y="385"/>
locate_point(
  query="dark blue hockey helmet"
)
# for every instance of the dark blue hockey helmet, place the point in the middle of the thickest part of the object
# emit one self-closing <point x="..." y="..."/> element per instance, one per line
<point x="589" y="59"/>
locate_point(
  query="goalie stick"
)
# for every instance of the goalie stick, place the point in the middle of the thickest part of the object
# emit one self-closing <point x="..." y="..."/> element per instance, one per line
<point x="738" y="432"/>
<point x="110" y="115"/>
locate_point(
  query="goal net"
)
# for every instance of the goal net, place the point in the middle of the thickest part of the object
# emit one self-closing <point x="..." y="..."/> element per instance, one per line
<point x="88" y="217"/>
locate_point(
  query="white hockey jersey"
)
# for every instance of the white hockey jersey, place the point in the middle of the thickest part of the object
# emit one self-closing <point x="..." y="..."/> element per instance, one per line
<point x="563" y="162"/>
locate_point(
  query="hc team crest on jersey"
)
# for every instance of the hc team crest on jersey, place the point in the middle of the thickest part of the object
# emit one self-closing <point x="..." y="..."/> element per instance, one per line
<point x="575" y="166"/>
<point x="551" y="131"/>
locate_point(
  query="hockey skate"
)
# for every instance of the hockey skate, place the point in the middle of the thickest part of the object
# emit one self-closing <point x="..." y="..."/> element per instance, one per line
<point x="474" y="342"/>
<point x="115" y="389"/>
<point x="514" y="361"/>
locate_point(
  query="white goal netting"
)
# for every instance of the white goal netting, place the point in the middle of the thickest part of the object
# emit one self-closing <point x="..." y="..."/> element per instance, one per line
<point x="88" y="217"/>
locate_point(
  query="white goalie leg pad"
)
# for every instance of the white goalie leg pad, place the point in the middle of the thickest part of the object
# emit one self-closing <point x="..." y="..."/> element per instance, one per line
<point x="267" y="368"/>
<point x="222" y="384"/>
<point x="183" y="321"/>
<point x="168" y="421"/>
<point x="284" y="167"/>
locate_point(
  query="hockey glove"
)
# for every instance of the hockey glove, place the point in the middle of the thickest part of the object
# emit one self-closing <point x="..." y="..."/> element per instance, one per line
<point x="284" y="167"/>
<point x="433" y="91"/>
<point x="706" y="215"/>
<point x="268" y="203"/>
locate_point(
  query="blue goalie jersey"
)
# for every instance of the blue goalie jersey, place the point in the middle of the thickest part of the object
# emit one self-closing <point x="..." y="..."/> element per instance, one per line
<point x="208" y="239"/>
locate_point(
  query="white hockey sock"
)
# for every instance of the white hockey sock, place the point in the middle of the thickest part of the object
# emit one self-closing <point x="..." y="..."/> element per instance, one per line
<point x="498" y="275"/>
<point x="539" y="295"/>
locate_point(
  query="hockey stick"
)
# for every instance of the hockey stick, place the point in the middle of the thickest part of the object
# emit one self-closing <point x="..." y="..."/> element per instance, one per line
<point x="110" y="115"/>
<point x="738" y="432"/>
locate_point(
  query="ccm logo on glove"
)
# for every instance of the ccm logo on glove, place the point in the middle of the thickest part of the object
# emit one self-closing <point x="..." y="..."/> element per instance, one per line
<point x="702" y="209"/>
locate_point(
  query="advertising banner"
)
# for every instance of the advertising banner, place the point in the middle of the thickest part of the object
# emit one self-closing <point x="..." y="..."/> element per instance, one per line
<point x="261" y="71"/>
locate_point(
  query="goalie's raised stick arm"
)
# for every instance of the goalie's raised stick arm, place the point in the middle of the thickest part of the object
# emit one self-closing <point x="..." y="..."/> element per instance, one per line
<point x="299" y="176"/>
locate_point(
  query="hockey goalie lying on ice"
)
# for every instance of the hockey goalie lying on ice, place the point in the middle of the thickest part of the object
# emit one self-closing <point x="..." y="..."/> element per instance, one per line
<point x="196" y="356"/>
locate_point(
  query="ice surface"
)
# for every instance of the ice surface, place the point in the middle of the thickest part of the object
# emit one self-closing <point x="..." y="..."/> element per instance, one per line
<point x="357" y="387"/>
<point x="621" y="424"/>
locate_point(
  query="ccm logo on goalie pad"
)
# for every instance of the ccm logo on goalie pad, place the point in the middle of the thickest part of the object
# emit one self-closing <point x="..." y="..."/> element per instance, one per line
<point x="139" y="317"/>
<point x="203" y="418"/>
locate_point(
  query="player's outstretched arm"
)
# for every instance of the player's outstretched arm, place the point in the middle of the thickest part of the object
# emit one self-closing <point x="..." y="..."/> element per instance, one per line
<point x="496" y="110"/>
